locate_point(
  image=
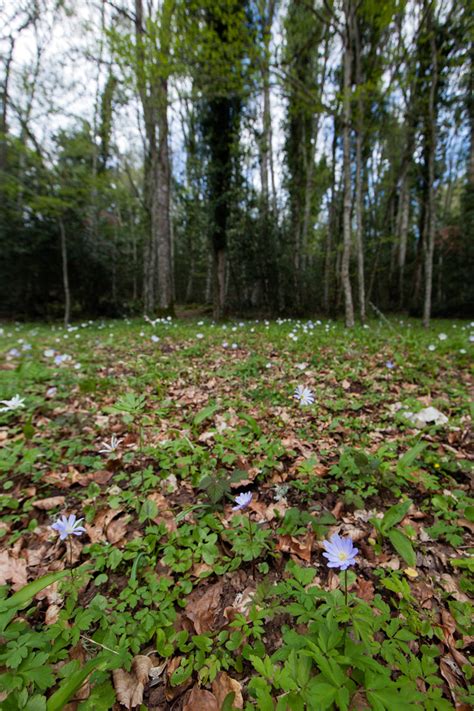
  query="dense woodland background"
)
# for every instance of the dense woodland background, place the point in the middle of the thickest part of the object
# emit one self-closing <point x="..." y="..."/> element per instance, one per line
<point x="263" y="157"/>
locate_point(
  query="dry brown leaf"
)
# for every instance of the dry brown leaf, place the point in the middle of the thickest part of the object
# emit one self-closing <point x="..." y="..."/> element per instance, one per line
<point x="200" y="700"/>
<point x="117" y="529"/>
<point x="365" y="589"/>
<point x="450" y="586"/>
<point x="300" y="547"/>
<point x="129" y="686"/>
<point x="52" y="614"/>
<point x="50" y="503"/>
<point x="201" y="608"/>
<point x="98" y="530"/>
<point x="165" y="514"/>
<point x="222" y="685"/>
<point x="36" y="556"/>
<point x="12" y="570"/>
<point x="451" y="672"/>
<point x="101" y="476"/>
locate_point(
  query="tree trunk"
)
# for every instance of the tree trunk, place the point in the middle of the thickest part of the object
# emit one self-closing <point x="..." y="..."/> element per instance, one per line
<point x="65" y="272"/>
<point x="402" y="224"/>
<point x="3" y="115"/>
<point x="430" y="137"/>
<point x="158" y="268"/>
<point x="358" y="176"/>
<point x="163" y="203"/>
<point x="331" y="226"/>
<point x="347" y="203"/>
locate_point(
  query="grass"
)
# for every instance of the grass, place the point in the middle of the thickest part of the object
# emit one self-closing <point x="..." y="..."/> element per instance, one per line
<point x="172" y="600"/>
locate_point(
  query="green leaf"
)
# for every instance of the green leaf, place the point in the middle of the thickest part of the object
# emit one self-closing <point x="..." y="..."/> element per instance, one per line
<point x="409" y="457"/>
<point x="204" y="414"/>
<point x="394" y="515"/>
<point x="403" y="546"/>
<point x="321" y="695"/>
<point x="69" y="686"/>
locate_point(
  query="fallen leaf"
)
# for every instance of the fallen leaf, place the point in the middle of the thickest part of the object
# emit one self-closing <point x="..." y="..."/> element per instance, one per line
<point x="12" y="570"/>
<point x="223" y="685"/>
<point x="52" y="614"/>
<point x="129" y="686"/>
<point x="117" y="529"/>
<point x="365" y="589"/>
<point x="300" y="547"/>
<point x="201" y="608"/>
<point x="451" y="672"/>
<point x="200" y="700"/>
<point x="411" y="572"/>
<point x="50" y="503"/>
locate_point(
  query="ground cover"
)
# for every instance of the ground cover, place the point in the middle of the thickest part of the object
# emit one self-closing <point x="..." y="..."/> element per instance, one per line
<point x="173" y="598"/>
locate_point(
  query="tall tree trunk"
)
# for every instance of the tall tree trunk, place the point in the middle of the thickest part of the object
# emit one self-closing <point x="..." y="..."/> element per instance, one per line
<point x="158" y="268"/>
<point x="347" y="200"/>
<point x="331" y="227"/>
<point x="4" y="112"/>
<point x="402" y="228"/>
<point x="65" y="273"/>
<point x="430" y="138"/>
<point x="163" y="203"/>
<point x="358" y="174"/>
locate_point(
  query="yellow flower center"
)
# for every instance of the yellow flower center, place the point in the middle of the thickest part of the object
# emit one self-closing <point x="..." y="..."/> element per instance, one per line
<point x="342" y="556"/>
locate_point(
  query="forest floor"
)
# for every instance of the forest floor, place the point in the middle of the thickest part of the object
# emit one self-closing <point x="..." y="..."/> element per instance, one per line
<point x="170" y="599"/>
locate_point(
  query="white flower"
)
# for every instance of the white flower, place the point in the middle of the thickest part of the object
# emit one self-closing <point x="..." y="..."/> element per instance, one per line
<point x="234" y="346"/>
<point x="48" y="353"/>
<point x="155" y="339"/>
<point x="304" y="395"/>
<point x="431" y="347"/>
<point x="110" y="448"/>
<point x="442" y="336"/>
<point x="16" y="403"/>
<point x="199" y="335"/>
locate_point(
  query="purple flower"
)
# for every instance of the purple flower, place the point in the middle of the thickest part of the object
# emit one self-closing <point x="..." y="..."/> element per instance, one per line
<point x="242" y="501"/>
<point x="69" y="526"/>
<point x="390" y="365"/>
<point x="340" y="552"/>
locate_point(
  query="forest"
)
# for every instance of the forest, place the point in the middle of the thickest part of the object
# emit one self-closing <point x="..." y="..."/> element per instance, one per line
<point x="236" y="350"/>
<point x="251" y="157"/>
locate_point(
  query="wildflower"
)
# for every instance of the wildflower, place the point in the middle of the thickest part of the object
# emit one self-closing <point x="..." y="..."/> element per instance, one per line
<point x="68" y="526"/>
<point x="431" y="347"/>
<point x="15" y="403"/>
<point x="242" y="501"/>
<point x="442" y="336"/>
<point x="110" y="448"/>
<point x="155" y="339"/>
<point x="14" y="353"/>
<point x="199" y="336"/>
<point x="48" y="353"/>
<point x="390" y="364"/>
<point x="340" y="552"/>
<point x="304" y="395"/>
